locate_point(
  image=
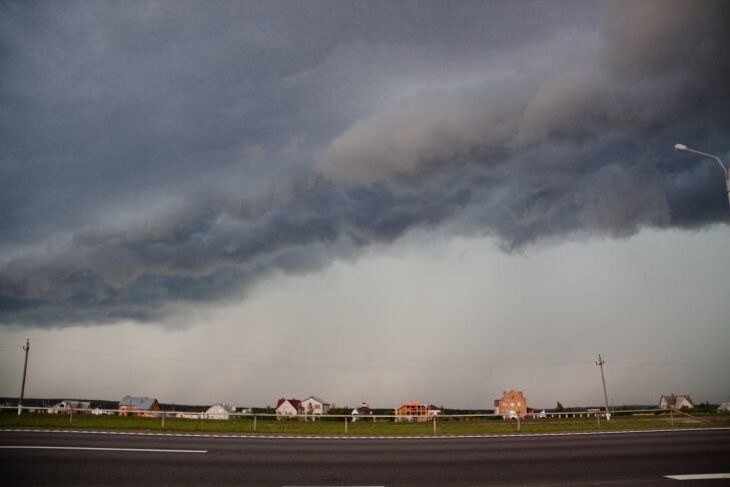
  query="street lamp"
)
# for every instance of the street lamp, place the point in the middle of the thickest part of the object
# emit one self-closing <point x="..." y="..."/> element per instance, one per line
<point x="725" y="170"/>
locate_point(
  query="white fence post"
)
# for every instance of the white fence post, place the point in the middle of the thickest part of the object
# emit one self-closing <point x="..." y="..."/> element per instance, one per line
<point x="254" y="422"/>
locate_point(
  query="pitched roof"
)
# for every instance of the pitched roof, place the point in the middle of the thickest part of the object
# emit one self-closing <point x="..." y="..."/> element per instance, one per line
<point x="292" y="401"/>
<point x="72" y="404"/>
<point x="223" y="406"/>
<point x="319" y="400"/>
<point x="137" y="402"/>
<point x="684" y="396"/>
<point x="668" y="398"/>
<point x="413" y="402"/>
<point x="673" y="401"/>
<point x="512" y="394"/>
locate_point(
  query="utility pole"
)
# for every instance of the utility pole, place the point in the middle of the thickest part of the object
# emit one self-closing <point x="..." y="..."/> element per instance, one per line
<point x="603" y="380"/>
<point x="25" y="369"/>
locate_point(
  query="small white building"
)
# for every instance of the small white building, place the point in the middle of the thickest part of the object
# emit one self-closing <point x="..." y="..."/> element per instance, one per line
<point x="724" y="408"/>
<point x="97" y="411"/>
<point x="287" y="407"/>
<point x="314" y="406"/>
<point x="187" y="415"/>
<point x="219" y="411"/>
<point x="671" y="401"/>
<point x="68" y="406"/>
<point x="361" y="412"/>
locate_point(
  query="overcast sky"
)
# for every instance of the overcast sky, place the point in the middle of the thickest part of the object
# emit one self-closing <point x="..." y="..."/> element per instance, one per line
<point x="366" y="201"/>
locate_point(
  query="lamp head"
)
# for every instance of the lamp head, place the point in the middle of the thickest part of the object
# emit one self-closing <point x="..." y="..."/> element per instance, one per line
<point x="680" y="147"/>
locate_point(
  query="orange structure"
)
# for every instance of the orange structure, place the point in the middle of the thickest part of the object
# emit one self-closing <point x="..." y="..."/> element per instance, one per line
<point x="511" y="404"/>
<point x="412" y="411"/>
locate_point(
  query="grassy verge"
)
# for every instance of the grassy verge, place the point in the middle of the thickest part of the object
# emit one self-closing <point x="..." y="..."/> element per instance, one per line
<point x="336" y="426"/>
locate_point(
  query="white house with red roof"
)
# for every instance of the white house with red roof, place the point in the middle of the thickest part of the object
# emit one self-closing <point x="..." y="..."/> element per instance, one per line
<point x="288" y="407"/>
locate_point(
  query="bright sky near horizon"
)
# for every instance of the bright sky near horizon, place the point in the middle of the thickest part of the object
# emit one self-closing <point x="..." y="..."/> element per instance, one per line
<point x="365" y="201"/>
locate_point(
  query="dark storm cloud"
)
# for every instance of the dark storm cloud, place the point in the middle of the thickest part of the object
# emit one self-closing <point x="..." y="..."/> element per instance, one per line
<point x="156" y="152"/>
<point x="585" y="149"/>
<point x="134" y="271"/>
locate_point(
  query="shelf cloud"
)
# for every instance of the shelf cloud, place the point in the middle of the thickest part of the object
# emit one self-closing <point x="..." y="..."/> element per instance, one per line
<point x="162" y="153"/>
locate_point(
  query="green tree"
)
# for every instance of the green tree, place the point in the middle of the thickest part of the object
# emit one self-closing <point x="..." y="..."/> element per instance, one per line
<point x="559" y="407"/>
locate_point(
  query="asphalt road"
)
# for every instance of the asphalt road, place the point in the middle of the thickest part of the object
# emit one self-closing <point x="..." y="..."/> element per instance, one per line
<point x="54" y="458"/>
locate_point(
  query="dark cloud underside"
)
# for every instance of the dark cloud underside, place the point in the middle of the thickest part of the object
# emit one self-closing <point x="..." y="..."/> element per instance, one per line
<point x="161" y="152"/>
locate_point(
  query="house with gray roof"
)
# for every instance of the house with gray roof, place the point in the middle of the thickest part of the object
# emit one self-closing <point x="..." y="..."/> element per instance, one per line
<point x="362" y="411"/>
<point x="672" y="401"/>
<point x="219" y="411"/>
<point x="314" y="406"/>
<point x="68" y="406"/>
<point x="138" y="406"/>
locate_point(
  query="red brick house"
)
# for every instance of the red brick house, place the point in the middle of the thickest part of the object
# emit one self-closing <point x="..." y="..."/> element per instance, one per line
<point x="511" y="404"/>
<point x="138" y="406"/>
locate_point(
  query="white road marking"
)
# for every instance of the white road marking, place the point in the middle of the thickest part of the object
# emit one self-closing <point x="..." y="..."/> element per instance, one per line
<point x="89" y="448"/>
<point x="700" y="476"/>
<point x="264" y="436"/>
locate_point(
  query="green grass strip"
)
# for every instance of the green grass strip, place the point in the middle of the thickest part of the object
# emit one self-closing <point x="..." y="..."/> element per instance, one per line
<point x="336" y="426"/>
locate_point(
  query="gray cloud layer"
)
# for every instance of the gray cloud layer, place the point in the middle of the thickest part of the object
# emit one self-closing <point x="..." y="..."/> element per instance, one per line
<point x="154" y="153"/>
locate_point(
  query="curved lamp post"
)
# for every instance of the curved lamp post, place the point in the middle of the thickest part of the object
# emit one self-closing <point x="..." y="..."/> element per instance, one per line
<point x="725" y="170"/>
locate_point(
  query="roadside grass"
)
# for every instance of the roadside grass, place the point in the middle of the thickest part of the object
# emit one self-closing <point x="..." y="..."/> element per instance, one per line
<point x="336" y="426"/>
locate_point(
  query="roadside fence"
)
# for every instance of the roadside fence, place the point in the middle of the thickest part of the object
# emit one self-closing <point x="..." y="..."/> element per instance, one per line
<point x="327" y="423"/>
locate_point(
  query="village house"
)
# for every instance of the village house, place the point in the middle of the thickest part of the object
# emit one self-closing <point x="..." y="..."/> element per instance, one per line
<point x="671" y="401"/>
<point x="433" y="410"/>
<point x="219" y="411"/>
<point x="138" y="406"/>
<point x="314" y="406"/>
<point x="512" y="404"/>
<point x="98" y="411"/>
<point x="67" y="407"/>
<point x="360" y="412"/>
<point x="411" y="411"/>
<point x="287" y="407"/>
